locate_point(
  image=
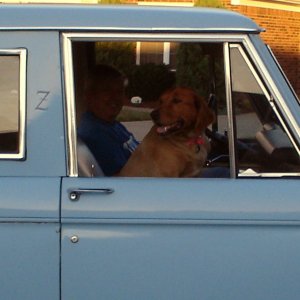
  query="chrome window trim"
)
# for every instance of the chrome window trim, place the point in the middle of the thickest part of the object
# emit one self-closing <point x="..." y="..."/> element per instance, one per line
<point x="230" y="117"/>
<point x="181" y="30"/>
<point x="154" y="36"/>
<point x="70" y="107"/>
<point x="22" y="53"/>
<point x="269" y="175"/>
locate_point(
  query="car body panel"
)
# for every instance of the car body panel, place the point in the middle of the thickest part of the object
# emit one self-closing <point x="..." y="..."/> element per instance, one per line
<point x="30" y="238"/>
<point x="124" y="18"/>
<point x="30" y="187"/>
<point x="177" y="199"/>
<point x="45" y="143"/>
<point x="33" y="199"/>
<point x="30" y="260"/>
<point x="176" y="239"/>
<point x="180" y="261"/>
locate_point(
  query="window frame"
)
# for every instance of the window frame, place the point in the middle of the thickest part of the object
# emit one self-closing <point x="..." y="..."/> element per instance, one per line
<point x="227" y="39"/>
<point x="22" y="53"/>
<point x="270" y="98"/>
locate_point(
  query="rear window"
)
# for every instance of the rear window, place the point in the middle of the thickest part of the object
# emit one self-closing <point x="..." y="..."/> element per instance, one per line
<point x="12" y="104"/>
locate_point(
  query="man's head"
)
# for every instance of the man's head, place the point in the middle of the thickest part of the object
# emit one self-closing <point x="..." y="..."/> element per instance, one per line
<point x="105" y="92"/>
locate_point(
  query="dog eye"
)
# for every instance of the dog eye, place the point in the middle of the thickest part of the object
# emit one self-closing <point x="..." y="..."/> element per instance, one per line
<point x="176" y="100"/>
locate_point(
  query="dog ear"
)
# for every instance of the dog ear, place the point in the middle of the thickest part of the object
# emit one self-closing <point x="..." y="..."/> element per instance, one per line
<point x="205" y="115"/>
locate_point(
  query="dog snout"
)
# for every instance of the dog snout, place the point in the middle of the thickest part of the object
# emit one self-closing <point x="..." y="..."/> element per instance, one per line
<point x="155" y="115"/>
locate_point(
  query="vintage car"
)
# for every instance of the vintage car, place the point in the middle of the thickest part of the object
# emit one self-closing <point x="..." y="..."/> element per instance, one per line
<point x="69" y="232"/>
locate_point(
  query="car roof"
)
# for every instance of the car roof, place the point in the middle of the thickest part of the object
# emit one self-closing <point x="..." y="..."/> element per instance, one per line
<point x="122" y="17"/>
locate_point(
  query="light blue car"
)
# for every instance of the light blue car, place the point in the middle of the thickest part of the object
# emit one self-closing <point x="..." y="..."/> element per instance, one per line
<point x="69" y="232"/>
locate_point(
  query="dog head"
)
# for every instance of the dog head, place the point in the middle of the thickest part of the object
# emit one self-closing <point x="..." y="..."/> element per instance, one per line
<point x="181" y="110"/>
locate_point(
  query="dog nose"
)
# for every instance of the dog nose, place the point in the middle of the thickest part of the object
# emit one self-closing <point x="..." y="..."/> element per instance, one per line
<point x="155" y="115"/>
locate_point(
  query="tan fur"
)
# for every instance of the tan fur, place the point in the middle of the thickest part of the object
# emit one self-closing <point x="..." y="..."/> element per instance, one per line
<point x="173" y="154"/>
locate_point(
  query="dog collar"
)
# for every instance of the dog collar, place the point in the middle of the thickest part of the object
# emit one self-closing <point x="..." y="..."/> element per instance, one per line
<point x="196" y="141"/>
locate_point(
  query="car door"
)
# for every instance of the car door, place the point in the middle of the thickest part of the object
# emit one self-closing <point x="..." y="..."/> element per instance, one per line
<point x="184" y="238"/>
<point x="29" y="172"/>
<point x="169" y="239"/>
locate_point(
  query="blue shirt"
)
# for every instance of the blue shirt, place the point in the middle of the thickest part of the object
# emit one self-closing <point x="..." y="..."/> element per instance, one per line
<point x="110" y="143"/>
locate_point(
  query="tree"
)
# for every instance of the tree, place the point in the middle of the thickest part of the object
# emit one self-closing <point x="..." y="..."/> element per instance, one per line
<point x="192" y="68"/>
<point x="209" y="3"/>
<point x="149" y="80"/>
<point x="121" y="55"/>
<point x="110" y="2"/>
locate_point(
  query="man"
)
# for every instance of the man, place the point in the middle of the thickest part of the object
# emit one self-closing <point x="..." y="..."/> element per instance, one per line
<point x="109" y="141"/>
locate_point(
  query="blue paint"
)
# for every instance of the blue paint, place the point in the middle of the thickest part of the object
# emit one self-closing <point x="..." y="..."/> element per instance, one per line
<point x="152" y="238"/>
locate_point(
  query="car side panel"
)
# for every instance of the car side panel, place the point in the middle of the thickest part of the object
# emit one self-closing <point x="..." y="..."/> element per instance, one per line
<point x="30" y="238"/>
<point x="181" y="239"/>
<point x="29" y="261"/>
<point x="181" y="261"/>
<point x="30" y="187"/>
<point x="45" y="145"/>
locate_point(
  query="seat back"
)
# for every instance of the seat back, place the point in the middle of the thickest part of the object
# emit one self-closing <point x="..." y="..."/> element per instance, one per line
<point x="87" y="164"/>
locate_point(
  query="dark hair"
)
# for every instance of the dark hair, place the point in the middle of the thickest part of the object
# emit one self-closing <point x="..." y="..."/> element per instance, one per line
<point x="102" y="73"/>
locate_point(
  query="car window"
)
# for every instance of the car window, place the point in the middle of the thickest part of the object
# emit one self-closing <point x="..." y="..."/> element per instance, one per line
<point x="258" y="143"/>
<point x="151" y="68"/>
<point x="262" y="142"/>
<point x="12" y="104"/>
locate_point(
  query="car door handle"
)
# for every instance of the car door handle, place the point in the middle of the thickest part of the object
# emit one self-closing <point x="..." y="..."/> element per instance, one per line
<point x="74" y="194"/>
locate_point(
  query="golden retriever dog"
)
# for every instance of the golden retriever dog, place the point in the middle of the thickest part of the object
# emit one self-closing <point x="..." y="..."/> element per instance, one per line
<point x="176" y="146"/>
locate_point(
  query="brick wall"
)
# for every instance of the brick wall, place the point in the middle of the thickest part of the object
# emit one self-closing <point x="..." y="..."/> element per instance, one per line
<point x="283" y="36"/>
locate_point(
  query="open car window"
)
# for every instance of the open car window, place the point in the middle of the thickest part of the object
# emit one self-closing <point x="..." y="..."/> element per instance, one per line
<point x="153" y="67"/>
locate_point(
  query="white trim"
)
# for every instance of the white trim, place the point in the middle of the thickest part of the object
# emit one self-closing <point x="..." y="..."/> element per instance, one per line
<point x="70" y="107"/>
<point x="135" y="29"/>
<point x="229" y="105"/>
<point x="268" y="175"/>
<point x="289" y="5"/>
<point x="138" y="54"/>
<point x="166" y="54"/>
<point x="154" y="37"/>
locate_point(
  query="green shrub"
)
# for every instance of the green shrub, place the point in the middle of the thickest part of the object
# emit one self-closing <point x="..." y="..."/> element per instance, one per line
<point x="127" y="115"/>
<point x="120" y="55"/>
<point x="193" y="68"/>
<point x="149" y="80"/>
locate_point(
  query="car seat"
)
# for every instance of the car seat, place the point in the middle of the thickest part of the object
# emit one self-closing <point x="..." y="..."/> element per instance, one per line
<point x="87" y="164"/>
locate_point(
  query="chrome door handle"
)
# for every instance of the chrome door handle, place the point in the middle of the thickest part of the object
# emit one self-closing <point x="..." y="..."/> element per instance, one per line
<point x="74" y="194"/>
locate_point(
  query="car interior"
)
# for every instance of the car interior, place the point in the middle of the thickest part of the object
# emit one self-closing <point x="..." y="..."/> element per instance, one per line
<point x="261" y="143"/>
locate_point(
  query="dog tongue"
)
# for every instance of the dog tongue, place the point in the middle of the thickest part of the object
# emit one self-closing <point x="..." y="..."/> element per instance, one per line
<point x="164" y="129"/>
